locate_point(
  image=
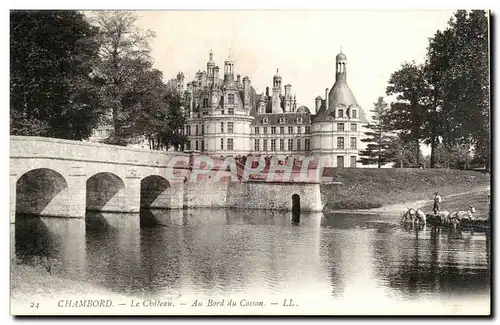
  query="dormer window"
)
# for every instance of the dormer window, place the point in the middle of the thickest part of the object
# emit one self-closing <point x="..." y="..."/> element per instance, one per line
<point x="264" y="120"/>
<point x="299" y="119"/>
<point x="282" y="120"/>
<point x="354" y="114"/>
<point x="341" y="113"/>
<point x="205" y="102"/>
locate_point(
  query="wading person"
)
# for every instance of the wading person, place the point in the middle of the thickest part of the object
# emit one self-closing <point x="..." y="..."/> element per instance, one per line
<point x="437" y="203"/>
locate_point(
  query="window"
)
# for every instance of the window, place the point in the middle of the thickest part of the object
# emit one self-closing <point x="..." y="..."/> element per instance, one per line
<point x="205" y="102"/>
<point x="264" y="144"/>
<point x="230" y="99"/>
<point x="256" y="130"/>
<point x="353" y="161"/>
<point x="282" y="120"/>
<point x="340" y="161"/>
<point x="196" y="145"/>
<point x="222" y="111"/>
<point x="299" y="129"/>
<point x="354" y="127"/>
<point x="282" y="144"/>
<point x="188" y="145"/>
<point x="202" y="129"/>
<point x="298" y="144"/>
<point x="265" y="130"/>
<point x="282" y="130"/>
<point x="196" y="131"/>
<point x="307" y="144"/>
<point x="354" y="114"/>
<point x="264" y="120"/>
<point x="290" y="144"/>
<point x="299" y="119"/>
<point x="273" y="144"/>
<point x="187" y="129"/>
<point x="308" y="129"/>
<point x="340" y="127"/>
<point x="290" y="130"/>
<point x="230" y="144"/>
<point x="341" y="113"/>
<point x="340" y="143"/>
<point x="221" y="143"/>
<point x="273" y="130"/>
<point x="221" y="127"/>
<point x="353" y="143"/>
<point x="230" y="127"/>
<point x="230" y="110"/>
<point x="202" y="145"/>
<point x="257" y="145"/>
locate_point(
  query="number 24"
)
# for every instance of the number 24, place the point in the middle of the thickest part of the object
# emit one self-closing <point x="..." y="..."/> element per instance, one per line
<point x="34" y="305"/>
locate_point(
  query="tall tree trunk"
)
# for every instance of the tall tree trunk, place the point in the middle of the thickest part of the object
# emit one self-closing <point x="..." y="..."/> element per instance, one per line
<point x="417" y="152"/>
<point x="433" y="149"/>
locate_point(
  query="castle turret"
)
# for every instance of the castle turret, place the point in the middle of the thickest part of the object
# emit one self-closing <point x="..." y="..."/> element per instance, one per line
<point x="228" y="69"/>
<point x="340" y="64"/>
<point x="210" y="65"/>
<point x="277" y="83"/>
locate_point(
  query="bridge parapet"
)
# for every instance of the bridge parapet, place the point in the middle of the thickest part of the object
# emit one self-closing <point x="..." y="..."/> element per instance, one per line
<point x="40" y="147"/>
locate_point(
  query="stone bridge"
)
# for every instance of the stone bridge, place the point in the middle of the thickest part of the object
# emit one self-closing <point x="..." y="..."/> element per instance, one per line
<point x="64" y="178"/>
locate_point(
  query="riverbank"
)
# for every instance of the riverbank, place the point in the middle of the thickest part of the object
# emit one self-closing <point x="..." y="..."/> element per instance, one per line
<point x="376" y="190"/>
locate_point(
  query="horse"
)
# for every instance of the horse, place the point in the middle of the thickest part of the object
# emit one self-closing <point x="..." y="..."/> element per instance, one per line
<point x="444" y="216"/>
<point x="459" y="215"/>
<point x="415" y="216"/>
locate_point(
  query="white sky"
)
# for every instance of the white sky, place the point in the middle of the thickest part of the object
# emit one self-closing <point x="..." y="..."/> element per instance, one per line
<point x="302" y="44"/>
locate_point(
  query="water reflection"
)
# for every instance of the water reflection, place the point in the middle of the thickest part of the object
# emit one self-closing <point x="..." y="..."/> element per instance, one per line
<point x="225" y="251"/>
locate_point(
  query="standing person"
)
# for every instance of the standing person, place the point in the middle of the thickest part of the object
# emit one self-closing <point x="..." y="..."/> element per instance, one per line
<point x="437" y="203"/>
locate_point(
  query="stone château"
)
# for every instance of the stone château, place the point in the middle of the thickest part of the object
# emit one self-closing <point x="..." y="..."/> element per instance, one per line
<point x="227" y="117"/>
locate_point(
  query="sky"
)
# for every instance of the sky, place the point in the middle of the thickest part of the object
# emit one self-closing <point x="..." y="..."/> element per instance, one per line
<point x="301" y="44"/>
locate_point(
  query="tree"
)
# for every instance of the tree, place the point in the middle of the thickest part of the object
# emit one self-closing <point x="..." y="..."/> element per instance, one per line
<point x="408" y="113"/>
<point x="379" y="138"/>
<point x="129" y="84"/>
<point x="402" y="153"/>
<point x="458" y="62"/>
<point x="163" y="124"/>
<point x="52" y="88"/>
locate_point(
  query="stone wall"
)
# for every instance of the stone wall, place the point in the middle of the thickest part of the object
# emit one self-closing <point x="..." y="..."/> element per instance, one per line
<point x="252" y="195"/>
<point x="274" y="196"/>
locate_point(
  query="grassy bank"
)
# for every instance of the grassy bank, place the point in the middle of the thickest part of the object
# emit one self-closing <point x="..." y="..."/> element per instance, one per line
<point x="366" y="188"/>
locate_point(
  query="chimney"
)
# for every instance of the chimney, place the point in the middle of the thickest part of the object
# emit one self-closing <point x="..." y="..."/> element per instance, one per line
<point x="191" y="95"/>
<point x="326" y="99"/>
<point x="267" y="91"/>
<point x="216" y="75"/>
<point x="246" y="90"/>
<point x="238" y="79"/>
<point x="318" y="104"/>
<point x="288" y="90"/>
<point x="203" y="79"/>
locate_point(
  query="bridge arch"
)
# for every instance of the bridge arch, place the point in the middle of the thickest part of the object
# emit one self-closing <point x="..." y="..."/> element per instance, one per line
<point x="36" y="192"/>
<point x="152" y="188"/>
<point x="105" y="192"/>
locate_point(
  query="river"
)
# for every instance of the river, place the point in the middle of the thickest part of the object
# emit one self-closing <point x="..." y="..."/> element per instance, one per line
<point x="360" y="259"/>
